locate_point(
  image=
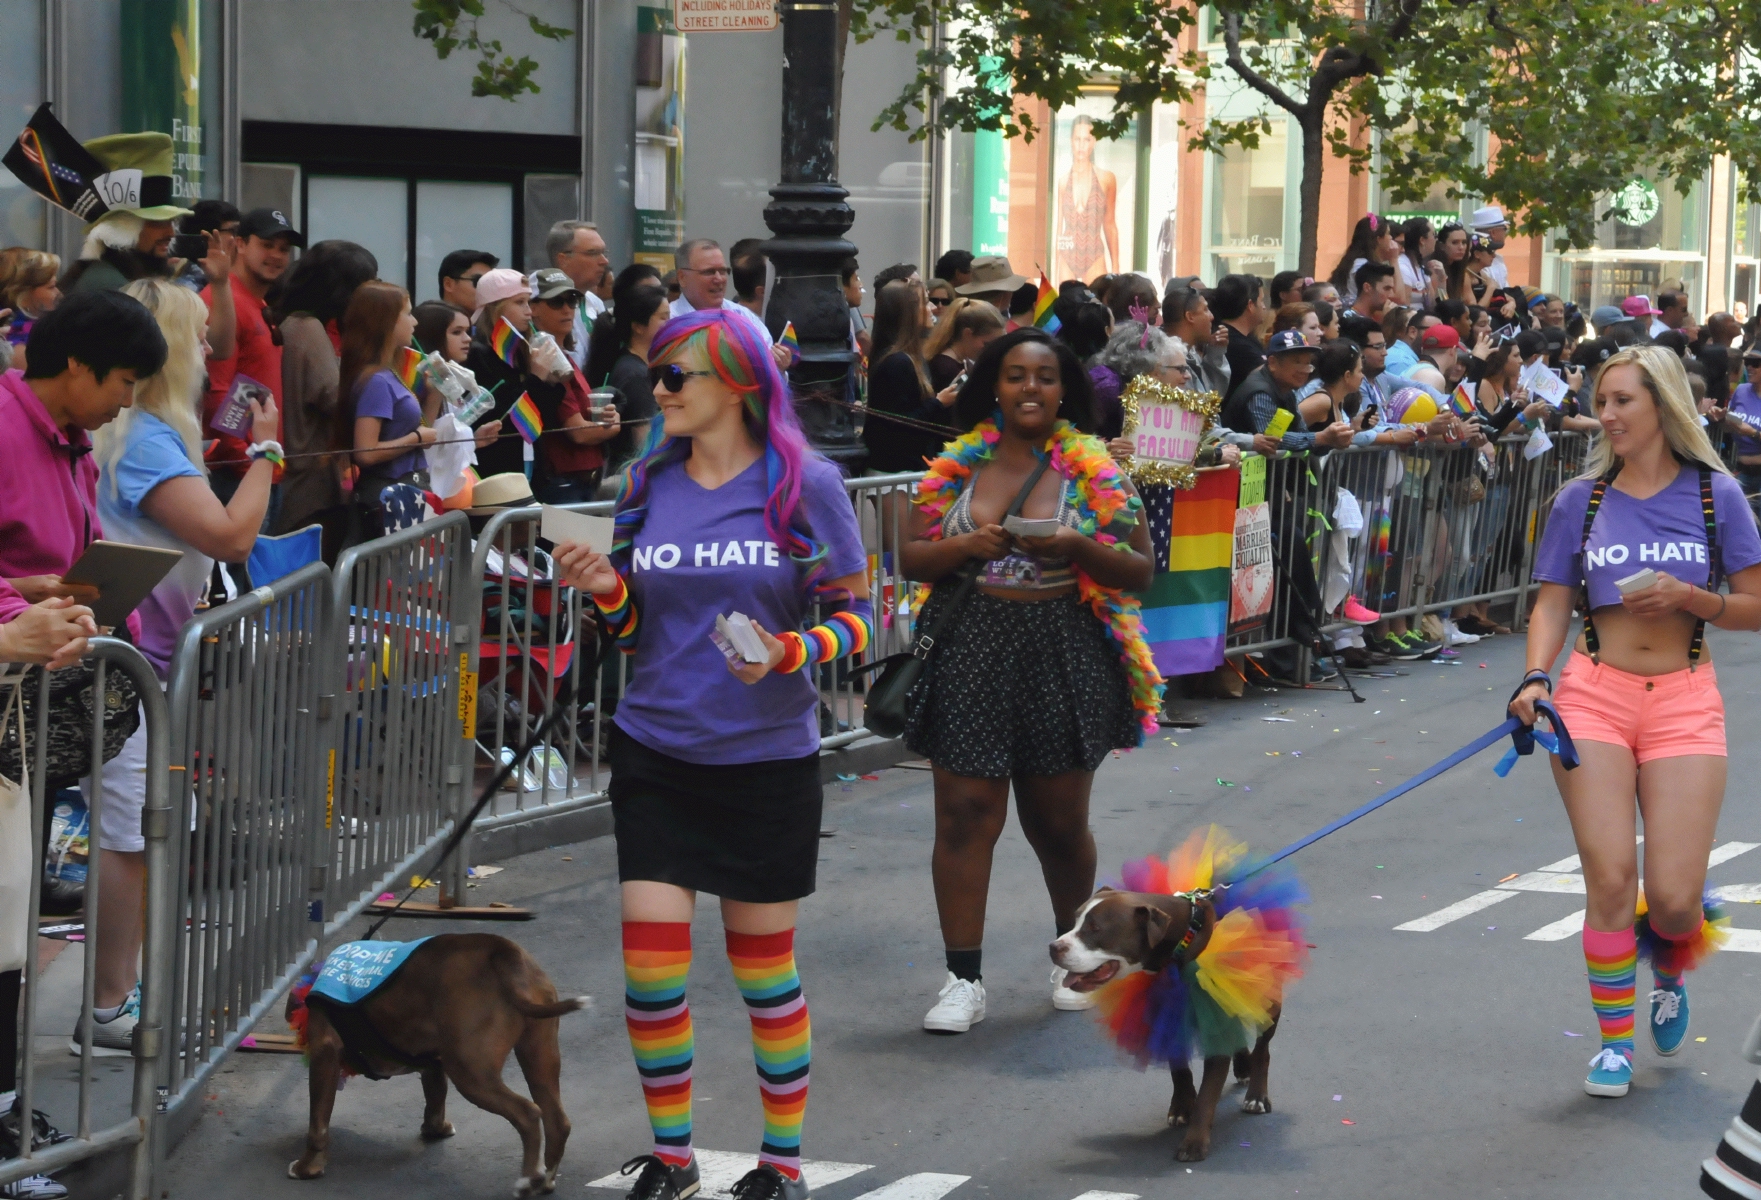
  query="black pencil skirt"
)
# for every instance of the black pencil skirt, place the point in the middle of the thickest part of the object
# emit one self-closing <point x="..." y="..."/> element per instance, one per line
<point x="741" y="831"/>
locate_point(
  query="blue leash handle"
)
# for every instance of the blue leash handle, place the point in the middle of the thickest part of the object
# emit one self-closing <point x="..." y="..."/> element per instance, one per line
<point x="1523" y="738"/>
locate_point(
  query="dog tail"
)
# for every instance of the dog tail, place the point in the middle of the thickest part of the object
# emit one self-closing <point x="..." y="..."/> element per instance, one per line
<point x="562" y="1008"/>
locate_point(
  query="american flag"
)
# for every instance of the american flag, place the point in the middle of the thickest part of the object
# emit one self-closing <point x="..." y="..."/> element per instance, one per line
<point x="1158" y="505"/>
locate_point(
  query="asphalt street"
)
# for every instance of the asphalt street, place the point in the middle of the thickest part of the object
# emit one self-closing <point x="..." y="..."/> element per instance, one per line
<point x="1442" y="1060"/>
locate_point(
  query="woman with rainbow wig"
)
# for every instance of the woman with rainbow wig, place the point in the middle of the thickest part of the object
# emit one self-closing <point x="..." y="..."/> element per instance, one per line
<point x="715" y="765"/>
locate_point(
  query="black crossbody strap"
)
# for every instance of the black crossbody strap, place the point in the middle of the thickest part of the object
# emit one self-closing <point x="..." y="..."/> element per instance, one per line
<point x="1710" y="513"/>
<point x="969" y="573"/>
<point x="1590" y="510"/>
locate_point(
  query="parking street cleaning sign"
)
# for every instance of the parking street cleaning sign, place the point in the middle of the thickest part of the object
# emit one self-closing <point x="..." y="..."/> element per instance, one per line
<point x="724" y="16"/>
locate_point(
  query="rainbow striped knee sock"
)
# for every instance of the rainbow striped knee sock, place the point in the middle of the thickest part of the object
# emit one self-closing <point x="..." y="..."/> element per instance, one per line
<point x="657" y="960"/>
<point x="782" y="1039"/>
<point x="1612" y="960"/>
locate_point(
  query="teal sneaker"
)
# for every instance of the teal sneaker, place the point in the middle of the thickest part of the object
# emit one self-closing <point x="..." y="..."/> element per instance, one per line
<point x="1611" y="1074"/>
<point x="1669" y="1018"/>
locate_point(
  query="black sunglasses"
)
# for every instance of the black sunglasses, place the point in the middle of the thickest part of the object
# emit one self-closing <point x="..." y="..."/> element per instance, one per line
<point x="672" y="377"/>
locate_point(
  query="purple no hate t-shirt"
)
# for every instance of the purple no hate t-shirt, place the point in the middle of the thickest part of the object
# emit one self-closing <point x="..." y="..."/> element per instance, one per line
<point x="703" y="553"/>
<point x="1666" y="532"/>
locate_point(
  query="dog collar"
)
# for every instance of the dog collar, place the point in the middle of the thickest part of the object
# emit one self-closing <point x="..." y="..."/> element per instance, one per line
<point x="1194" y="920"/>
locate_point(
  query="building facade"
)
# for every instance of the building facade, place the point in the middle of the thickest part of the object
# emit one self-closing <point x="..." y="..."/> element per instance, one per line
<point x="335" y="112"/>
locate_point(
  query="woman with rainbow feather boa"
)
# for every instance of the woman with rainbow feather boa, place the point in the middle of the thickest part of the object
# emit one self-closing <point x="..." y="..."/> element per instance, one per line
<point x="715" y="767"/>
<point x="1044" y="670"/>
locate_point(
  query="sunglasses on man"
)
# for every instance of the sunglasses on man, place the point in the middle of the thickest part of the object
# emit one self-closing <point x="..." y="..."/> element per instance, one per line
<point x="672" y="377"/>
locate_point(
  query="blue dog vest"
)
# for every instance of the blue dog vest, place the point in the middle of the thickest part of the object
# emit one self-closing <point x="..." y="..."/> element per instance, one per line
<point x="355" y="969"/>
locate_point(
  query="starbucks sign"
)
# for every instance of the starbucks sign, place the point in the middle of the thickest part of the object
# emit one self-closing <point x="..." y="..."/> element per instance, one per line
<point x="1637" y="203"/>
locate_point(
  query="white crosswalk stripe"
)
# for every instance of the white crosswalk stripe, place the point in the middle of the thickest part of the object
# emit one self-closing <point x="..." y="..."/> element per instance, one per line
<point x="925" y="1186"/>
<point x="721" y="1169"/>
<point x="1108" y="1196"/>
<point x="1563" y="878"/>
<point x="1456" y="911"/>
<point x="1559" y="930"/>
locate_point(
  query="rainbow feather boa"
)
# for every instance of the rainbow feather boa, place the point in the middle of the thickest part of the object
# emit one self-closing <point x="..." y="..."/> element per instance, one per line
<point x="1222" y="1000"/>
<point x="1102" y="505"/>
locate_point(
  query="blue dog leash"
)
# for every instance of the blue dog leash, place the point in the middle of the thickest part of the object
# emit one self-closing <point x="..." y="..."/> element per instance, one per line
<point x="1523" y="739"/>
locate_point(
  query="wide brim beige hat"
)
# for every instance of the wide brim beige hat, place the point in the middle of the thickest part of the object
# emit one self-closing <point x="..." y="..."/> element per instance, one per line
<point x="510" y="489"/>
<point x="991" y="273"/>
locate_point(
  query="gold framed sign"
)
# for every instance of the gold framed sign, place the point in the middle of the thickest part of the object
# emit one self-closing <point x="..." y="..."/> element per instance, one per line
<point x="1166" y="426"/>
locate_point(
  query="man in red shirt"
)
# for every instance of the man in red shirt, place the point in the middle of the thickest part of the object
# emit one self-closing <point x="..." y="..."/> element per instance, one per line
<point x="265" y="240"/>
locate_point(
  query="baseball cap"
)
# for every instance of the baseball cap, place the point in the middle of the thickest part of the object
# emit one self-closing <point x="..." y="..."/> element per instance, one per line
<point x="1287" y="341"/>
<point x="1605" y="316"/>
<point x="268" y="224"/>
<point x="548" y="283"/>
<point x="503" y="283"/>
<point x="1440" y="337"/>
<point x="1639" y="306"/>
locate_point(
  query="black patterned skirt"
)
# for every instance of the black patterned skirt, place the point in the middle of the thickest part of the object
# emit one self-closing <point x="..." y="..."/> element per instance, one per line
<point x="1021" y="687"/>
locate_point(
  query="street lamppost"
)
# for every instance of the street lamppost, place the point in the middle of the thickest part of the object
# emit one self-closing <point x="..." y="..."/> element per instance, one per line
<point x="809" y="217"/>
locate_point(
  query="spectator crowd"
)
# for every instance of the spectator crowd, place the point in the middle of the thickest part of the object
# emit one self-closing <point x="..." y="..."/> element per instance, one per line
<point x="203" y="380"/>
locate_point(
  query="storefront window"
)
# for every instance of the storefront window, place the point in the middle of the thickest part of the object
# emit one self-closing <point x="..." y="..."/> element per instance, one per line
<point x="1247" y="206"/>
<point x="1655" y="241"/>
<point x="1745" y="253"/>
<point x="22" y="212"/>
<point x="1094" y="202"/>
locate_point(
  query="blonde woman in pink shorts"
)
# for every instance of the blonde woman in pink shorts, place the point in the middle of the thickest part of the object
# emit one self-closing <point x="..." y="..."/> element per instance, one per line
<point x="1641" y="543"/>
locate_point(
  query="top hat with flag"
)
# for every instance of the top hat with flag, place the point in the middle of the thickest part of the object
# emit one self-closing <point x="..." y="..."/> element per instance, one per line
<point x="119" y="173"/>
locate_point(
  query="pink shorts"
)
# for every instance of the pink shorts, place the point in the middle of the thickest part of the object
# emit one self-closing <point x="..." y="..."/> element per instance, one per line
<point x="1657" y="716"/>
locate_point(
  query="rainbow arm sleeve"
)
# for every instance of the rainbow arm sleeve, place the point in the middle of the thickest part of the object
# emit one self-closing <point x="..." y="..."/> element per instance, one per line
<point x="620" y="613"/>
<point x="846" y="632"/>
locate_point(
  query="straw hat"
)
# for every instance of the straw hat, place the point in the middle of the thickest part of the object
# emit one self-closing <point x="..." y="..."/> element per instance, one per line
<point x="510" y="489"/>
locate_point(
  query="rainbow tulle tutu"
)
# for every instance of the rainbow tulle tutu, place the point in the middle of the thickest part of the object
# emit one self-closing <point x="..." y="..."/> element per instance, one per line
<point x="1222" y="1000"/>
<point x="1672" y="956"/>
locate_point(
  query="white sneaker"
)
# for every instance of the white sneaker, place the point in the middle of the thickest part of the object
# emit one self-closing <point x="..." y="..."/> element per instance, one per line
<point x="33" y="1187"/>
<point x="113" y="1038"/>
<point x="1068" y="999"/>
<point x="1453" y="636"/>
<point x="960" y="1007"/>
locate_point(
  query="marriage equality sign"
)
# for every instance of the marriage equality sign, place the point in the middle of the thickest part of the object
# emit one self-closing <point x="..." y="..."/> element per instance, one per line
<point x="1250" y="575"/>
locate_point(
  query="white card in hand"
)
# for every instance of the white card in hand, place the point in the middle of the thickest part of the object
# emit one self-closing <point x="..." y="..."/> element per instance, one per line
<point x="737" y="629"/>
<point x="1031" y="526"/>
<point x="560" y="525"/>
<point x="1543" y="384"/>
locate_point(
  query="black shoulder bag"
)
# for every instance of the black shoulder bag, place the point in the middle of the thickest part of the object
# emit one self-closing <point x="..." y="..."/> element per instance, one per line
<point x="885" y="711"/>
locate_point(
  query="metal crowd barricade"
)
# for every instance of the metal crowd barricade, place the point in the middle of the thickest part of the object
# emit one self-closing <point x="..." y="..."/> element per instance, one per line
<point x="247" y="695"/>
<point x="529" y="640"/>
<point x="1441" y="526"/>
<point x="137" y="1129"/>
<point x="392" y="732"/>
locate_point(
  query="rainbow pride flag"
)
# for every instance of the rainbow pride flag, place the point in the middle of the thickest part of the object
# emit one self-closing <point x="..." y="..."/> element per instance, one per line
<point x="525" y="418"/>
<point x="1042" y="307"/>
<point x="791" y="343"/>
<point x="1462" y="401"/>
<point x="1186" y="610"/>
<point x="506" y="341"/>
<point x="407" y="366"/>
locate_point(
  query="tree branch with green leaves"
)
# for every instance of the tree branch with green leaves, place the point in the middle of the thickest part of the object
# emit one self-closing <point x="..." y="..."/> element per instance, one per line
<point x="454" y="25"/>
<point x="1574" y="98"/>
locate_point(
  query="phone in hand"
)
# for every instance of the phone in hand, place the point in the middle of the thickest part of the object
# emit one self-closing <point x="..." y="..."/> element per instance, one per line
<point x="191" y="246"/>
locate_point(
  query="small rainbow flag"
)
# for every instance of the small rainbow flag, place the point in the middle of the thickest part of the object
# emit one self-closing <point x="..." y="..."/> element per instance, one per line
<point x="407" y="366"/>
<point x="506" y="341"/>
<point x="525" y="418"/>
<point x="1462" y="401"/>
<point x="791" y="343"/>
<point x="1042" y="306"/>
